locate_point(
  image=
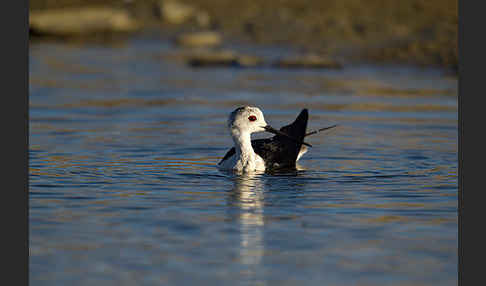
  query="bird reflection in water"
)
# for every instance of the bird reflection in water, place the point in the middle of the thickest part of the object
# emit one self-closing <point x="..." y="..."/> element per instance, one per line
<point x="248" y="196"/>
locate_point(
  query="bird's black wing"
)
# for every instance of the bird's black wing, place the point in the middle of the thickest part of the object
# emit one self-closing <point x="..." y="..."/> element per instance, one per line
<point x="230" y="153"/>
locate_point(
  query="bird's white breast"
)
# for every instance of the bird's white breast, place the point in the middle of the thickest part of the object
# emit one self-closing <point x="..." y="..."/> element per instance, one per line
<point x="252" y="162"/>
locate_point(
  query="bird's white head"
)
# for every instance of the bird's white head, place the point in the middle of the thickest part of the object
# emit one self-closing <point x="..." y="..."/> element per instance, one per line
<point x="247" y="119"/>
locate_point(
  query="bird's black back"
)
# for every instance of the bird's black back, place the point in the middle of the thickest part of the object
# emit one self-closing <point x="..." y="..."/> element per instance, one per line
<point x="280" y="151"/>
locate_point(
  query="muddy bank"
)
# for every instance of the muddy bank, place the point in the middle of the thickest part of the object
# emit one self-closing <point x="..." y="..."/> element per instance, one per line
<point x="381" y="31"/>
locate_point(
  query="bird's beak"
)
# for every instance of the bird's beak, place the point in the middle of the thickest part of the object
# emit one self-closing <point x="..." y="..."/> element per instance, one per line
<point x="270" y="129"/>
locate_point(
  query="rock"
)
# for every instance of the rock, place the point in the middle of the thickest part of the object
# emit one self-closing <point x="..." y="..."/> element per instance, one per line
<point x="80" y="21"/>
<point x="174" y="12"/>
<point x="199" y="39"/>
<point x="222" y="58"/>
<point x="249" y="61"/>
<point x="308" y="61"/>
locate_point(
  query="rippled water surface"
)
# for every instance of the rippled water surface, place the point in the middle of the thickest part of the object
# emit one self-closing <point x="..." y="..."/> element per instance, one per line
<point x="124" y="190"/>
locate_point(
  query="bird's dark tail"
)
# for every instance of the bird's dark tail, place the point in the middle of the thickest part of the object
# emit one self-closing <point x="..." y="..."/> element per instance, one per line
<point x="297" y="130"/>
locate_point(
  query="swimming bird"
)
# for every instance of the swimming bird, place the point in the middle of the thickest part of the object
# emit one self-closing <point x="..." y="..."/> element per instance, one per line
<point x="280" y="151"/>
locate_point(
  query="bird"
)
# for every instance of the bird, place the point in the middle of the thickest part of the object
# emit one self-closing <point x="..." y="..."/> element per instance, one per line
<point x="281" y="151"/>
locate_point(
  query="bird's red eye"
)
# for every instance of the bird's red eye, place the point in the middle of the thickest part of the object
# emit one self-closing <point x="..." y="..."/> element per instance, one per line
<point x="252" y="118"/>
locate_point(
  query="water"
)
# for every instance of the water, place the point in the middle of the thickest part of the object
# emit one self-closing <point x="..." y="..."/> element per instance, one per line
<point x="124" y="190"/>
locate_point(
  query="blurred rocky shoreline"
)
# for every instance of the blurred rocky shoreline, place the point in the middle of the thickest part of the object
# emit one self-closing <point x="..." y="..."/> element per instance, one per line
<point x="328" y="33"/>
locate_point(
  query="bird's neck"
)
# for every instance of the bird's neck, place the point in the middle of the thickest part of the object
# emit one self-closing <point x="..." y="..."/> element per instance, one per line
<point x="242" y="144"/>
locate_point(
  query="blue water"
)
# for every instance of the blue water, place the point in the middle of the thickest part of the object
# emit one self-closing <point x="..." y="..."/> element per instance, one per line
<point x="124" y="189"/>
